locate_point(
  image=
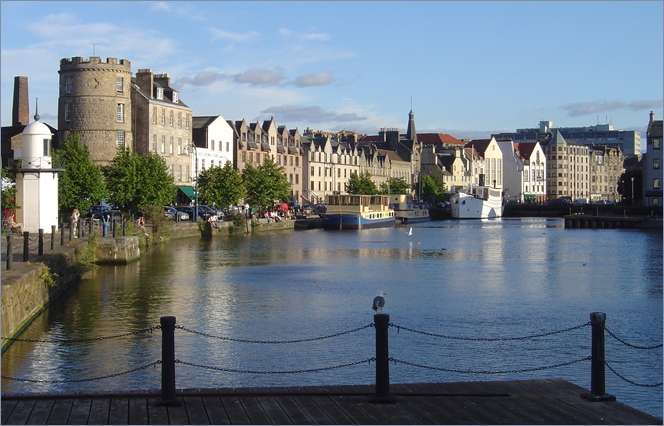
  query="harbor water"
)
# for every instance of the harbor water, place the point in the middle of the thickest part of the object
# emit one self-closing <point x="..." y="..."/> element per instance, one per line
<point x="252" y="309"/>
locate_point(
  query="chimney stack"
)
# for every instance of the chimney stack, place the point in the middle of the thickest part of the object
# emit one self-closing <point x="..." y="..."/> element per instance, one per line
<point x="21" y="110"/>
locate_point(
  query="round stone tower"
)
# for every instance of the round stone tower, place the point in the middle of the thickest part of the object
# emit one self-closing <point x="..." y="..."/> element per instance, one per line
<point x="95" y="101"/>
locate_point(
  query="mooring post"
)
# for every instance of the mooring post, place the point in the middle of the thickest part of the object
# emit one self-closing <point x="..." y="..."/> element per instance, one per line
<point x="168" y="362"/>
<point x="10" y="251"/>
<point x="382" y="324"/>
<point x="91" y="225"/>
<point x="80" y="232"/>
<point x="124" y="227"/>
<point x="40" y="244"/>
<point x="62" y="234"/>
<point x="114" y="231"/>
<point x="597" y="383"/>
<point x="53" y="236"/>
<point x="26" y="246"/>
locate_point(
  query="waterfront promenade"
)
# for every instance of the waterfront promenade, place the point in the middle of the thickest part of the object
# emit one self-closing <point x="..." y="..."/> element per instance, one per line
<point x="531" y="402"/>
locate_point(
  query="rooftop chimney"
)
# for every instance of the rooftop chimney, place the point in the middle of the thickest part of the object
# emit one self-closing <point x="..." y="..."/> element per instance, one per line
<point x="21" y="110"/>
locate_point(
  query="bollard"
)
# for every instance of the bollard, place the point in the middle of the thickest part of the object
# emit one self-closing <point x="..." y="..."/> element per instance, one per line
<point x="40" y="245"/>
<point x="124" y="227"/>
<point x="79" y="229"/>
<point x="53" y="236"/>
<point x="382" y="324"/>
<point x="72" y="225"/>
<point x="10" y="251"/>
<point x="62" y="234"/>
<point x="91" y="225"/>
<point x="26" y="247"/>
<point x="114" y="231"/>
<point x="597" y="384"/>
<point x="168" y="363"/>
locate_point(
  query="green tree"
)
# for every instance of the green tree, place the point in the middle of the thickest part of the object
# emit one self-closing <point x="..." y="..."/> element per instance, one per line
<point x="432" y="188"/>
<point x="8" y="192"/>
<point x="361" y="184"/>
<point x="82" y="184"/>
<point x="220" y="185"/>
<point x="395" y="186"/>
<point x="265" y="184"/>
<point x="138" y="183"/>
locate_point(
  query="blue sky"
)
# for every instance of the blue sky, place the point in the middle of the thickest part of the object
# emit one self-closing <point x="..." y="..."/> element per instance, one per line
<point x="470" y="68"/>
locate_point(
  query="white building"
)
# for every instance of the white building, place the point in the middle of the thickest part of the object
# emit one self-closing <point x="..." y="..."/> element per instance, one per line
<point x="524" y="165"/>
<point x="214" y="140"/>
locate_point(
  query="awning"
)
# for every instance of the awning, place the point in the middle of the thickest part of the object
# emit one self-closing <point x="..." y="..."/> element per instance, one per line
<point x="529" y="196"/>
<point x="187" y="190"/>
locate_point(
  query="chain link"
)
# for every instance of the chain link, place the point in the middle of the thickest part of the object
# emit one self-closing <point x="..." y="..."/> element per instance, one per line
<point x="84" y="380"/>
<point x="630" y="345"/>
<point x="312" y="370"/>
<point x="274" y="341"/>
<point x="486" y="339"/>
<point x="145" y="330"/>
<point x="629" y="381"/>
<point x="489" y="372"/>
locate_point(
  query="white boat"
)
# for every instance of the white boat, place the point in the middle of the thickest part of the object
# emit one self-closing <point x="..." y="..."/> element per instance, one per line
<point x="481" y="202"/>
<point x="358" y="212"/>
<point x="406" y="211"/>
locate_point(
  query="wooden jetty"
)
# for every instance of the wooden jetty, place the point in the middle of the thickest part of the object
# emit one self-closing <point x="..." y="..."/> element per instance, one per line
<point x="545" y="401"/>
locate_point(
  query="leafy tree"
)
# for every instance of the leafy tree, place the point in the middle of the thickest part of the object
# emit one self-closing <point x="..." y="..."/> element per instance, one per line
<point x="8" y="192"/>
<point x="138" y="183"/>
<point x="81" y="185"/>
<point x="395" y="186"/>
<point x="220" y="185"/>
<point x="361" y="184"/>
<point x="265" y="184"/>
<point x="432" y="188"/>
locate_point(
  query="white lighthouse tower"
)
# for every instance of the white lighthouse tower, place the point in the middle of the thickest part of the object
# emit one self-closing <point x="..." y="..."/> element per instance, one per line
<point x="36" y="180"/>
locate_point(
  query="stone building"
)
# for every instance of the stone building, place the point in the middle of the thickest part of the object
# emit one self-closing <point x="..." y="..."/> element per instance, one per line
<point x="162" y="123"/>
<point x="606" y="168"/>
<point x="95" y="101"/>
<point x="446" y="166"/>
<point x="568" y="163"/>
<point x="652" y="164"/>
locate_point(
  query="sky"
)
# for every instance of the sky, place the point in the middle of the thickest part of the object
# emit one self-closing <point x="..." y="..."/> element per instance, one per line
<point x="467" y="69"/>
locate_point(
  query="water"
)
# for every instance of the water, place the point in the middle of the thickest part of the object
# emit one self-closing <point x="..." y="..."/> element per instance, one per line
<point x="476" y="279"/>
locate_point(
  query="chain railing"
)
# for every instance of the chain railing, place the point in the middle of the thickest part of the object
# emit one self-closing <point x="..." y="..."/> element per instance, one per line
<point x="382" y="358"/>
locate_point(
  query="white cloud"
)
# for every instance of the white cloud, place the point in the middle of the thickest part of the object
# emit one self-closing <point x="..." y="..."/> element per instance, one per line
<point x="318" y="37"/>
<point x="587" y="108"/>
<point x="322" y="78"/>
<point x="160" y="6"/>
<point x="260" y="77"/>
<point x="227" y="35"/>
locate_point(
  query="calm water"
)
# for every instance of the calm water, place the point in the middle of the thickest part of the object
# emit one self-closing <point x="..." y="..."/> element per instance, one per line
<point x="492" y="279"/>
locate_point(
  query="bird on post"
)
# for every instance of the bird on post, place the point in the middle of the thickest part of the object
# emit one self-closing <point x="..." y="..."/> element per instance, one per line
<point x="379" y="302"/>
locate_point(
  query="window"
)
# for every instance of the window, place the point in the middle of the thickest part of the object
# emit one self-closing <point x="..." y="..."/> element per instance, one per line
<point x="212" y="144"/>
<point x="121" y="139"/>
<point x="228" y="147"/>
<point x="655" y="183"/>
<point x="154" y="143"/>
<point x="655" y="144"/>
<point x="203" y="164"/>
<point x="211" y="163"/>
<point x="120" y="115"/>
<point x="163" y="144"/>
<point x="244" y="156"/>
<point x="180" y="147"/>
<point x="163" y="116"/>
<point x="170" y="118"/>
<point x="67" y="111"/>
<point x="176" y="97"/>
<point x="119" y="85"/>
<point x="154" y="114"/>
<point x="68" y="85"/>
<point x="655" y="163"/>
<point x="297" y="161"/>
<point x="180" y="172"/>
<point x="179" y="119"/>
<point x="170" y="149"/>
<point x="186" y="168"/>
<point x="160" y="93"/>
<point x="186" y="121"/>
<point x="47" y="147"/>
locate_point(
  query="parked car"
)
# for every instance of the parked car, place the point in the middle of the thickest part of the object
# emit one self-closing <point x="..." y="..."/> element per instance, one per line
<point x="186" y="209"/>
<point x="102" y="211"/>
<point x="603" y="203"/>
<point x="562" y="201"/>
<point x="580" y="202"/>
<point x="170" y="213"/>
<point x="207" y="213"/>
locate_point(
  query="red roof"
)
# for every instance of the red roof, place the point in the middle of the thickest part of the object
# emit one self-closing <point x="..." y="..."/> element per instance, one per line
<point x="437" y="139"/>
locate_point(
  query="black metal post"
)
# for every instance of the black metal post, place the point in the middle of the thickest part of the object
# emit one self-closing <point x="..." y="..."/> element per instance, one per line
<point x="40" y="245"/>
<point x="124" y="227"/>
<point x="26" y="247"/>
<point x="79" y="229"/>
<point x="53" y="236"/>
<point x="10" y="251"/>
<point x="382" y="324"/>
<point x="168" y="362"/>
<point x="91" y="225"/>
<point x="72" y="223"/>
<point x="62" y="234"/>
<point x="114" y="231"/>
<point x="597" y="383"/>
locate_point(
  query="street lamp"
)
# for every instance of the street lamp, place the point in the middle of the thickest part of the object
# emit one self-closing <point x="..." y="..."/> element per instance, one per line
<point x="632" y="191"/>
<point x="189" y="148"/>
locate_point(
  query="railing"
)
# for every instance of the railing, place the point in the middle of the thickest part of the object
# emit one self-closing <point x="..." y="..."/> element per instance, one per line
<point x="47" y="163"/>
<point x="382" y="359"/>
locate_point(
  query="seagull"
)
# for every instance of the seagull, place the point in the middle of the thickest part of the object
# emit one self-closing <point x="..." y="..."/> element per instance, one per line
<point x="379" y="302"/>
<point x="411" y="231"/>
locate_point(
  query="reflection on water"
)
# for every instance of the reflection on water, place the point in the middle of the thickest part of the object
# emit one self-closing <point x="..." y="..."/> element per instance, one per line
<point x="473" y="279"/>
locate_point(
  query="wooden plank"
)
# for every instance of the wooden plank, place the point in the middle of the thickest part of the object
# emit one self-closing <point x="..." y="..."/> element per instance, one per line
<point x="80" y="411"/>
<point x="177" y="415"/>
<point x="196" y="410"/>
<point x="99" y="411"/>
<point x="356" y="413"/>
<point x="235" y="410"/>
<point x="312" y="410"/>
<point x="60" y="412"/>
<point x="118" y="411"/>
<point x="332" y="410"/>
<point x="40" y="412"/>
<point x="254" y="410"/>
<point x="273" y="410"/>
<point x="374" y="411"/>
<point x="138" y="411"/>
<point x="6" y="408"/>
<point x="21" y="412"/>
<point x="157" y="414"/>
<point x="293" y="411"/>
<point x="215" y="411"/>
<point x="472" y="405"/>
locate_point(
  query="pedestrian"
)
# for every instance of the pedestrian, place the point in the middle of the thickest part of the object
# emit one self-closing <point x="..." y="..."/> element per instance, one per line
<point x="74" y="221"/>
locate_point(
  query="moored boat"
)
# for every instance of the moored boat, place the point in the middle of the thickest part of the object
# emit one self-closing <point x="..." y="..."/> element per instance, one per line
<point x="406" y="211"/>
<point x="481" y="202"/>
<point x="358" y="212"/>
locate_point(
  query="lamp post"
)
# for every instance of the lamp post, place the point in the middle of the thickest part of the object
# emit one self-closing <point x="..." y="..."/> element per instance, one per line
<point x="189" y="148"/>
<point x="632" y="191"/>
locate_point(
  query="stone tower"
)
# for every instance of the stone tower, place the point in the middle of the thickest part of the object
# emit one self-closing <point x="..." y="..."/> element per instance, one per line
<point x="95" y="101"/>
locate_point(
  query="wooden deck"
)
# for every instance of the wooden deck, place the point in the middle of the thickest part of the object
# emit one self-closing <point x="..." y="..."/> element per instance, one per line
<point x="505" y="402"/>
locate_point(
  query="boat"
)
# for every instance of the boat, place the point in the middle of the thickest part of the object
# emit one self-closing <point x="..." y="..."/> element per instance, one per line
<point x="406" y="211"/>
<point x="358" y="212"/>
<point x="480" y="202"/>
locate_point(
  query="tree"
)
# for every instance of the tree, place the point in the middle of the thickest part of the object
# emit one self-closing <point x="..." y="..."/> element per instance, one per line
<point x="431" y="188"/>
<point x="138" y="183"/>
<point x="361" y="184"/>
<point x="81" y="184"/>
<point x="265" y="184"/>
<point x="222" y="186"/>
<point x="8" y="192"/>
<point x="395" y="186"/>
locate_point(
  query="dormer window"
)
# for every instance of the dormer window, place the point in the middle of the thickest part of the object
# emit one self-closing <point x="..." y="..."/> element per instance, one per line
<point x="160" y="93"/>
<point x="175" y="97"/>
